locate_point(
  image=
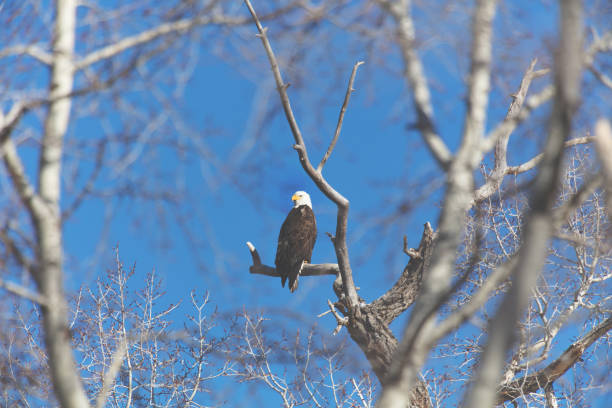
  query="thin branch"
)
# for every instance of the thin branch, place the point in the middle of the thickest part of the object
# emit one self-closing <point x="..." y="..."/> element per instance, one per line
<point x="461" y="315"/>
<point x="600" y="44"/>
<point x="19" y="178"/>
<point x="307" y="270"/>
<point x="341" y="202"/>
<point x="347" y="97"/>
<point x="520" y="109"/>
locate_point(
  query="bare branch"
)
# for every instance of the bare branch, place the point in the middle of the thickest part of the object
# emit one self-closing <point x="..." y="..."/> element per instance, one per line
<point x="19" y="178"/>
<point x="462" y="314"/>
<point x="600" y="44"/>
<point x="413" y="71"/>
<point x="341" y="202"/>
<point x="517" y="113"/>
<point x="349" y="91"/>
<point x="603" y="78"/>
<point x="307" y="270"/>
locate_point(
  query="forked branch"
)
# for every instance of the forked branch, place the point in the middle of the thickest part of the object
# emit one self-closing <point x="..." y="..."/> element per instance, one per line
<point x="341" y="202"/>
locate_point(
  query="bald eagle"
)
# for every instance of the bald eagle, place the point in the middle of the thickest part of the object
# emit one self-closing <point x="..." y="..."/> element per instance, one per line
<point x="296" y="240"/>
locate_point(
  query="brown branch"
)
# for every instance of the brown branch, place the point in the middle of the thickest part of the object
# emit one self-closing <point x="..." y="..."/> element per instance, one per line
<point x="546" y="376"/>
<point x="347" y="96"/>
<point x="308" y="269"/>
<point x="404" y="292"/>
<point x="341" y="202"/>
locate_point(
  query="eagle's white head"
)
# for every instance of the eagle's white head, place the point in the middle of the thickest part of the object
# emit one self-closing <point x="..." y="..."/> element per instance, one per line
<point x="301" y="198"/>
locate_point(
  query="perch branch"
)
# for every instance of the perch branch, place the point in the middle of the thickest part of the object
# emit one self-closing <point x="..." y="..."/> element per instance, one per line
<point x="347" y="97"/>
<point x="308" y="269"/>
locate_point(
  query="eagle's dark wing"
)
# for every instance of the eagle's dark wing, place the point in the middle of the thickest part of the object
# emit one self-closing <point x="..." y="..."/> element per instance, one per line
<point x="295" y="243"/>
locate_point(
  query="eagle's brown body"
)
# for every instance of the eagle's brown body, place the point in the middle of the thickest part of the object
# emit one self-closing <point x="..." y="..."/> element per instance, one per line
<point x="295" y="243"/>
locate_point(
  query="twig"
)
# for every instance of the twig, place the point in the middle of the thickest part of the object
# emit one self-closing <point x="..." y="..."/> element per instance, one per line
<point x="347" y="96"/>
<point x="411" y="252"/>
<point x="342" y="321"/>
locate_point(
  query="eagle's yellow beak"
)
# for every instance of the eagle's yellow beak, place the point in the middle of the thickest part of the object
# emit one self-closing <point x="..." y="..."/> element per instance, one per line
<point x="295" y="197"/>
